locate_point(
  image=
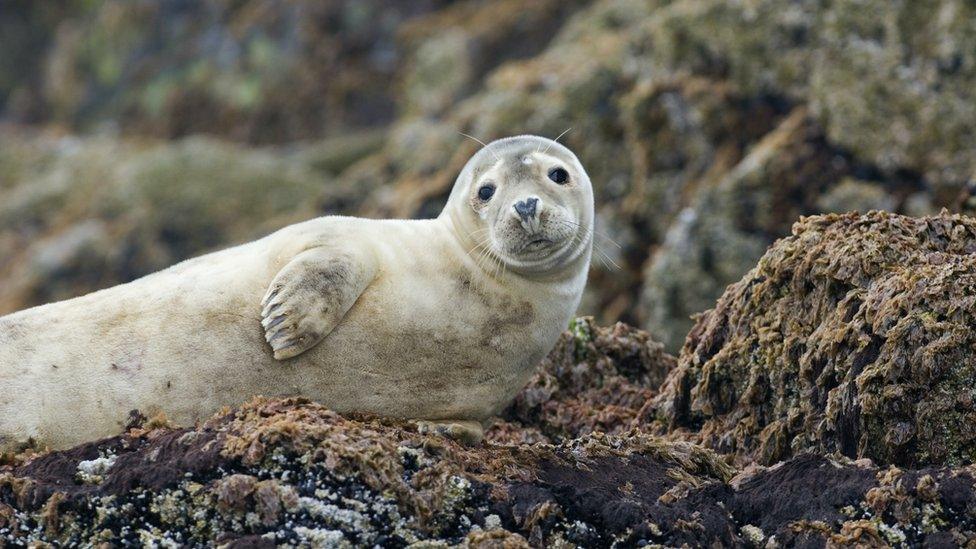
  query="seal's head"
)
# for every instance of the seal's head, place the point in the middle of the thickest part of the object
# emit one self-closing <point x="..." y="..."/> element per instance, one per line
<point x="527" y="202"/>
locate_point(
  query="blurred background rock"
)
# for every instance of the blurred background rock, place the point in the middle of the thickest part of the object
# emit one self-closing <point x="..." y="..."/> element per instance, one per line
<point x="134" y="134"/>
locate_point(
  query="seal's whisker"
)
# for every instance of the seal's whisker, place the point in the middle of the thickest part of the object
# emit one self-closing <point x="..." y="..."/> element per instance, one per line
<point x="483" y="145"/>
<point x="608" y="258"/>
<point x="485" y="254"/>
<point x="475" y="247"/>
<point x="596" y="247"/>
<point x="578" y="239"/>
<point x="556" y="140"/>
<point x="595" y="232"/>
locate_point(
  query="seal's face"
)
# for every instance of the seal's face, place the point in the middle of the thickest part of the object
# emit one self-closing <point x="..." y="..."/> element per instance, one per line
<point x="527" y="202"/>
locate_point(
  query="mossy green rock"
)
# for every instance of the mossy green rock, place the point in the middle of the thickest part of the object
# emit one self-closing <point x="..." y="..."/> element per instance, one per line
<point x="854" y="335"/>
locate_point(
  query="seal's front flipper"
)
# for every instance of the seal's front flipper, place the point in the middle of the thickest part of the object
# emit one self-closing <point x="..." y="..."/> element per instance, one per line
<point x="309" y="296"/>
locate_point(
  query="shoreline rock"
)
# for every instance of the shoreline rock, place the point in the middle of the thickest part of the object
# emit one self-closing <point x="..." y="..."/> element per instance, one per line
<point x="854" y="335"/>
<point x="290" y="472"/>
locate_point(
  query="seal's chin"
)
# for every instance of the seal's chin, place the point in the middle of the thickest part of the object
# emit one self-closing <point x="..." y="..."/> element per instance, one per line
<point x="540" y="251"/>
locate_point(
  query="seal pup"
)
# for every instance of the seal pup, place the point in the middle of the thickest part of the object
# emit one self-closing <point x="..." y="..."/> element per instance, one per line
<point x="441" y="320"/>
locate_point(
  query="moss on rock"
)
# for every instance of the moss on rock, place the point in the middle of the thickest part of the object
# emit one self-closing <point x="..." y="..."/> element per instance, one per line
<point x="854" y="335"/>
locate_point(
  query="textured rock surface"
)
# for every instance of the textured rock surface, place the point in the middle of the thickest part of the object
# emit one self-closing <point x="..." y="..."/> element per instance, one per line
<point x="854" y="335"/>
<point x="292" y="473"/>
<point x="261" y="70"/>
<point x="596" y="379"/>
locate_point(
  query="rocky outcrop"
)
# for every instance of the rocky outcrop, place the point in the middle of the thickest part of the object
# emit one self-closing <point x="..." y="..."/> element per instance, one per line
<point x="259" y="71"/>
<point x="854" y="335"/>
<point x="595" y="380"/>
<point x="291" y="473"/>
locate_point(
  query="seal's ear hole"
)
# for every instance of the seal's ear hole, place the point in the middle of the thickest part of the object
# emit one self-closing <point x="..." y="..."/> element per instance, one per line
<point x="559" y="175"/>
<point x="486" y="192"/>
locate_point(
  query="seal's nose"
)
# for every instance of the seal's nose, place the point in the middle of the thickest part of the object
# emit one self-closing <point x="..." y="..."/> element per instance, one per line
<point x="526" y="208"/>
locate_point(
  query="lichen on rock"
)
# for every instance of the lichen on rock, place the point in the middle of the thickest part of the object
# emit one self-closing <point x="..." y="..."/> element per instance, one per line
<point x="854" y="335"/>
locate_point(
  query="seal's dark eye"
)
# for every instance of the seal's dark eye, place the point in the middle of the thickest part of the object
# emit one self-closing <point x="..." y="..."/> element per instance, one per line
<point x="559" y="175"/>
<point x="486" y="192"/>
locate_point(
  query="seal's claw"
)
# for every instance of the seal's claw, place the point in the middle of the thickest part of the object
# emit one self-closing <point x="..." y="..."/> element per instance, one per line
<point x="286" y="352"/>
<point x="270" y="322"/>
<point x="463" y="431"/>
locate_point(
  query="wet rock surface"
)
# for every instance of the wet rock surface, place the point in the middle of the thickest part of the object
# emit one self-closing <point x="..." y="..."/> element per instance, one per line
<point x="595" y="380"/>
<point x="854" y="335"/>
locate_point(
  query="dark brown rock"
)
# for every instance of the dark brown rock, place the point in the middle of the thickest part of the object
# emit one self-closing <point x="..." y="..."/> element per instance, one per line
<point x="596" y="379"/>
<point x="292" y="472"/>
<point x="854" y="335"/>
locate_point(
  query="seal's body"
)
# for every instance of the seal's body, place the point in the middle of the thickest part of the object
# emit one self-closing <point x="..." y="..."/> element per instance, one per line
<point x="440" y="320"/>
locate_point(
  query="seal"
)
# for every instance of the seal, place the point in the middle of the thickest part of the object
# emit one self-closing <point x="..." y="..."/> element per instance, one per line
<point x="439" y="320"/>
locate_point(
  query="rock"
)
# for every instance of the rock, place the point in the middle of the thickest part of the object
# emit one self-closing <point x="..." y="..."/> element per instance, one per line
<point x="595" y="380"/>
<point x="292" y="472"/>
<point x="789" y="173"/>
<point x="816" y="501"/>
<point x="890" y="82"/>
<point x="853" y="335"/>
<point x="172" y="68"/>
<point x="302" y="70"/>
<point x="453" y="49"/>
<point x="853" y="195"/>
<point x="289" y="472"/>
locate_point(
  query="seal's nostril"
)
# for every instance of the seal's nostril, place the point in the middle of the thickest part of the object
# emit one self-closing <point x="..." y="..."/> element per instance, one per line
<point x="526" y="208"/>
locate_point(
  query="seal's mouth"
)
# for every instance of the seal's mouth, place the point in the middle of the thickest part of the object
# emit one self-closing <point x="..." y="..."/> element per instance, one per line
<point x="535" y="243"/>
